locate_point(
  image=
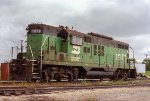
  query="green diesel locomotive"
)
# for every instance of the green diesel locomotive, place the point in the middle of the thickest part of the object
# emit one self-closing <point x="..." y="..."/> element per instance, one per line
<point x="56" y="53"/>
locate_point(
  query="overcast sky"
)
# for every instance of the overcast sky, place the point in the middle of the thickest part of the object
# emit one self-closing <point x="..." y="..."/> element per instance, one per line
<point x="125" y="20"/>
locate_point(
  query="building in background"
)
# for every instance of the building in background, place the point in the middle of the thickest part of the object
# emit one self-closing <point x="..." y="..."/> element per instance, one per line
<point x="140" y="68"/>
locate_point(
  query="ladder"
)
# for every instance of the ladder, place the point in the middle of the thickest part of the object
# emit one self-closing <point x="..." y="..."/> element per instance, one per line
<point x="35" y="70"/>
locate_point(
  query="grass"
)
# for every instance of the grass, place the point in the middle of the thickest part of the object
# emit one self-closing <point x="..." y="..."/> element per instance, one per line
<point x="113" y="83"/>
<point x="79" y="83"/>
<point x="147" y="73"/>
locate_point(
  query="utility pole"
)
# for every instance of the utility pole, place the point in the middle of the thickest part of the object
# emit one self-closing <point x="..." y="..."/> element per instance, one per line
<point x="146" y="55"/>
<point x="146" y="60"/>
<point x="21" y="46"/>
<point x="12" y="51"/>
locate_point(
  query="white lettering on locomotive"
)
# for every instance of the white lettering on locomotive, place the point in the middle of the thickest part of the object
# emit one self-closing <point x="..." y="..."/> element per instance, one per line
<point x="76" y="50"/>
<point x="75" y="58"/>
<point x="120" y="56"/>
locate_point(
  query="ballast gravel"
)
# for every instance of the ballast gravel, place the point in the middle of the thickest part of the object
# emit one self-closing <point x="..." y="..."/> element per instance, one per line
<point x="111" y="94"/>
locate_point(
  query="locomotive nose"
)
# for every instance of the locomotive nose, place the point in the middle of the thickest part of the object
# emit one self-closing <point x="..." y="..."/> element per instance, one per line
<point x="34" y="42"/>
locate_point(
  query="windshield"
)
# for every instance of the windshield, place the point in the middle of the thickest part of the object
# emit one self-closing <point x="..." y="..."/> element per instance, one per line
<point x="35" y="31"/>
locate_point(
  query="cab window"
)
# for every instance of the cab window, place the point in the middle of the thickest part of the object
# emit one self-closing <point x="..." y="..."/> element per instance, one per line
<point x="76" y="40"/>
<point x="35" y="31"/>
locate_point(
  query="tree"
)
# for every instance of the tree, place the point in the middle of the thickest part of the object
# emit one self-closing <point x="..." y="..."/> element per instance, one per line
<point x="146" y="61"/>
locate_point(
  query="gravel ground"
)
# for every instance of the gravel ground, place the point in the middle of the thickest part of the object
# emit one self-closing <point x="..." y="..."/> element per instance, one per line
<point x="113" y="94"/>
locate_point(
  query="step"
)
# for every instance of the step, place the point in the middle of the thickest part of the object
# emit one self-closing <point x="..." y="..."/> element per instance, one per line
<point x="35" y="73"/>
<point x="35" y="68"/>
<point x="13" y="64"/>
<point x="24" y="64"/>
<point x="34" y="64"/>
<point x="33" y="60"/>
<point x="36" y="77"/>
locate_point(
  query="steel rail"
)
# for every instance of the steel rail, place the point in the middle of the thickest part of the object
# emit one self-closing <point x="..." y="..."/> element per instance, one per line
<point x="8" y="91"/>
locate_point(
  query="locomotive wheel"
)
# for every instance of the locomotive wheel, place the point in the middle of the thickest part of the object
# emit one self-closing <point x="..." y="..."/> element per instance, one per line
<point x="70" y="78"/>
<point x="46" y="76"/>
<point x="115" y="77"/>
<point x="120" y="76"/>
<point x="34" y="80"/>
<point x="75" y="74"/>
<point x="101" y="79"/>
<point x="57" y="77"/>
<point x="124" y="76"/>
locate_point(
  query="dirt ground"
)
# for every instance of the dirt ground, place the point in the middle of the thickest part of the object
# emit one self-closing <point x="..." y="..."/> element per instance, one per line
<point x="113" y="94"/>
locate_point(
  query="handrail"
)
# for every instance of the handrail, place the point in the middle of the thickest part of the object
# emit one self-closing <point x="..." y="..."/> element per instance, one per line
<point x="32" y="55"/>
<point x="31" y="52"/>
<point x="41" y="57"/>
<point x="133" y="57"/>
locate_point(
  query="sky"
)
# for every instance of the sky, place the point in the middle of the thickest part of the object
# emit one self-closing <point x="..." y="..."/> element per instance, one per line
<point x="124" y="20"/>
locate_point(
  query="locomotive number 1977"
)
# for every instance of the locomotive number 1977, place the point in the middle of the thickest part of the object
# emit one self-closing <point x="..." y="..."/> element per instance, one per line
<point x="120" y="56"/>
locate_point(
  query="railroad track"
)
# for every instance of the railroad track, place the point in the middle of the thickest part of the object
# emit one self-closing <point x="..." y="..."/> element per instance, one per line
<point x="8" y="91"/>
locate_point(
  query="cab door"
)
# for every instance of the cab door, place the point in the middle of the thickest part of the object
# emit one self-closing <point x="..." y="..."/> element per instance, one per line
<point x="87" y="55"/>
<point x="52" y="48"/>
<point x="102" y="57"/>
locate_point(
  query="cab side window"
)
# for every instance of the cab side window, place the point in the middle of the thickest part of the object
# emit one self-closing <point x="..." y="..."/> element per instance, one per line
<point x="76" y="40"/>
